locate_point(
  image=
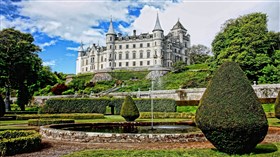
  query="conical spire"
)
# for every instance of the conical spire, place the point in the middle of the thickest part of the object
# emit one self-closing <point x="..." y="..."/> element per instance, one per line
<point x="111" y="28"/>
<point x="157" y="26"/>
<point x="178" y="25"/>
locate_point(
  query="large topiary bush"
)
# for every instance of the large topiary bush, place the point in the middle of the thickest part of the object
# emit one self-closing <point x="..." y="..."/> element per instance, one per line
<point x="277" y="106"/>
<point x="129" y="110"/>
<point x="229" y="113"/>
<point x="2" y="107"/>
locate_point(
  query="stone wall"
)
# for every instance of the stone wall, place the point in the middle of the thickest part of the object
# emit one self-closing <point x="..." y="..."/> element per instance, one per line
<point x="93" y="137"/>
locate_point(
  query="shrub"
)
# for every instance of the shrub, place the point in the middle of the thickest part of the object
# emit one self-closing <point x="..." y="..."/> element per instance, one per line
<point x="2" y="107"/>
<point x="59" y="89"/>
<point x="71" y="105"/>
<point x="277" y="106"/>
<point x="229" y="113"/>
<point x="129" y="110"/>
<point x="13" y="142"/>
<point x="40" y="122"/>
<point x="61" y="116"/>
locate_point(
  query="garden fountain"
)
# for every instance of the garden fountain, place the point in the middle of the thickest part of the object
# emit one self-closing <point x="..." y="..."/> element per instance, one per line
<point x="127" y="131"/>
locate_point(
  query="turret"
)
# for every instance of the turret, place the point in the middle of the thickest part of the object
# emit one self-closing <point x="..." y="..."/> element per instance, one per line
<point x="81" y="51"/>
<point x="110" y="44"/>
<point x="158" y="45"/>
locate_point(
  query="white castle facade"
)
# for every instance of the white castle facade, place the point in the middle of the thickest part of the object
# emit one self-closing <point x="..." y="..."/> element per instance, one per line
<point x="136" y="52"/>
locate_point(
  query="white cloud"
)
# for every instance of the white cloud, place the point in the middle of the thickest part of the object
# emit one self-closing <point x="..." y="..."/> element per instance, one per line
<point x="72" y="48"/>
<point x="203" y="19"/>
<point x="49" y="63"/>
<point x="46" y="44"/>
<point x="70" y="55"/>
<point x="73" y="20"/>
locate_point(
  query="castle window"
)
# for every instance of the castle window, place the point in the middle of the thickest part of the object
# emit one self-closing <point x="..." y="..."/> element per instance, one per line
<point x="110" y="46"/>
<point x="86" y="68"/>
<point x="148" y="44"/>
<point x="134" y="45"/>
<point x="115" y="56"/>
<point x="134" y="63"/>
<point x="120" y="56"/>
<point x="155" y="43"/>
<point x="101" y="66"/>
<point x="141" y="63"/>
<point x="126" y="64"/>
<point x="134" y="55"/>
<point x="110" y="38"/>
<point x="148" y="62"/>
<point x="141" y="54"/>
<point x="127" y="55"/>
<point x="101" y="58"/>
<point x="120" y="46"/>
<point x="110" y="64"/>
<point x="120" y="64"/>
<point x="141" y="45"/>
<point x="127" y="46"/>
<point x="86" y="63"/>
<point x="148" y="54"/>
<point x="154" y="35"/>
<point x="155" y="61"/>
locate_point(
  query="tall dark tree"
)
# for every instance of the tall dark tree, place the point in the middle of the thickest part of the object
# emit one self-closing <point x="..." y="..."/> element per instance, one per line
<point x="199" y="54"/>
<point x="247" y="41"/>
<point x="19" y="64"/>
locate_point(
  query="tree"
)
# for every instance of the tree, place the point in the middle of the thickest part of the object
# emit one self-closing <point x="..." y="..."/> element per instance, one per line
<point x="277" y="106"/>
<point x="129" y="110"/>
<point x="229" y="113"/>
<point x="199" y="54"/>
<point x="246" y="40"/>
<point x="19" y="64"/>
<point x="2" y="106"/>
<point x="179" y="66"/>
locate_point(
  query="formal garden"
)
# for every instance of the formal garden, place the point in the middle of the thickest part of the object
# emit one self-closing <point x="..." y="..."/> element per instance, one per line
<point x="228" y="121"/>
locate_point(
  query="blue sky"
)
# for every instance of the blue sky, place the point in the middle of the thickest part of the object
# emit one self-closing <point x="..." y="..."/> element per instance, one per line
<point x="58" y="26"/>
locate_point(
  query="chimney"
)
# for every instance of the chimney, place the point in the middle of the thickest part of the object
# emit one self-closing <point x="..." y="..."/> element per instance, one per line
<point x="134" y="32"/>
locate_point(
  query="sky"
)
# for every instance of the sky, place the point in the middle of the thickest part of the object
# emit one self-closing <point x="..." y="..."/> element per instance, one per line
<point x="59" y="26"/>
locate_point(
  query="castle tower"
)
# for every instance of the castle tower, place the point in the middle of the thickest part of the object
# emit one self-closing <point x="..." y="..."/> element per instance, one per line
<point x="158" y="43"/>
<point x="110" y="44"/>
<point x="79" y="59"/>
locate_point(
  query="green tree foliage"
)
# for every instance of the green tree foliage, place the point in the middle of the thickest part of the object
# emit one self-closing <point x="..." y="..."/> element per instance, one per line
<point x="179" y="66"/>
<point x="199" y="54"/>
<point x="277" y="106"/>
<point x="19" y="63"/>
<point x="229" y="113"/>
<point x="129" y="110"/>
<point x="246" y="40"/>
<point x="2" y="106"/>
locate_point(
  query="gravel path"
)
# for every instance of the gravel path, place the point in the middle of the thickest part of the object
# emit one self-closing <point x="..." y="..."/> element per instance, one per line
<point x="51" y="148"/>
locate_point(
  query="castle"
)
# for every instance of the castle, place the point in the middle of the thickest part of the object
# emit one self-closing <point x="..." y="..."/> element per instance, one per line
<point x="136" y="52"/>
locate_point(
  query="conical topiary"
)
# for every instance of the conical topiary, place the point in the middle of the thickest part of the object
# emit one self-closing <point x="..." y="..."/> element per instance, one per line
<point x="277" y="106"/>
<point x="2" y="107"/>
<point x="129" y="110"/>
<point x="229" y="113"/>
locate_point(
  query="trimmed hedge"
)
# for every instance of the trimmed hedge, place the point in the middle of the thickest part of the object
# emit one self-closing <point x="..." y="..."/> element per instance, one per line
<point x="162" y="115"/>
<point x="98" y="105"/>
<point x="61" y="116"/>
<point x="14" y="142"/>
<point x="229" y="113"/>
<point x="76" y="105"/>
<point x="40" y="122"/>
<point x="129" y="110"/>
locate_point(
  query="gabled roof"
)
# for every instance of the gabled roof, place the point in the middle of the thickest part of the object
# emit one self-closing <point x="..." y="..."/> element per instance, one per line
<point x="157" y="25"/>
<point x="178" y="25"/>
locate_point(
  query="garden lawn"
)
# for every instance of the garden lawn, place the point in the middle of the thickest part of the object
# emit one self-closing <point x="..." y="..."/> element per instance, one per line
<point x="262" y="150"/>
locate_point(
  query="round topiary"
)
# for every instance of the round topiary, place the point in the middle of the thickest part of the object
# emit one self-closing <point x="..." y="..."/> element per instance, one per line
<point x="277" y="106"/>
<point x="2" y="107"/>
<point x="229" y="113"/>
<point x="129" y="110"/>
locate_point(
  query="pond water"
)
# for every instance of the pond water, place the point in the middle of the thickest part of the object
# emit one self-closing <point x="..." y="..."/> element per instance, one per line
<point x="132" y="128"/>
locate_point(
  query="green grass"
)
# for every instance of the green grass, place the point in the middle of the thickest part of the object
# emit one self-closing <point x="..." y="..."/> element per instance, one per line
<point x="268" y="107"/>
<point x="198" y="67"/>
<point x="262" y="150"/>
<point x="191" y="109"/>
